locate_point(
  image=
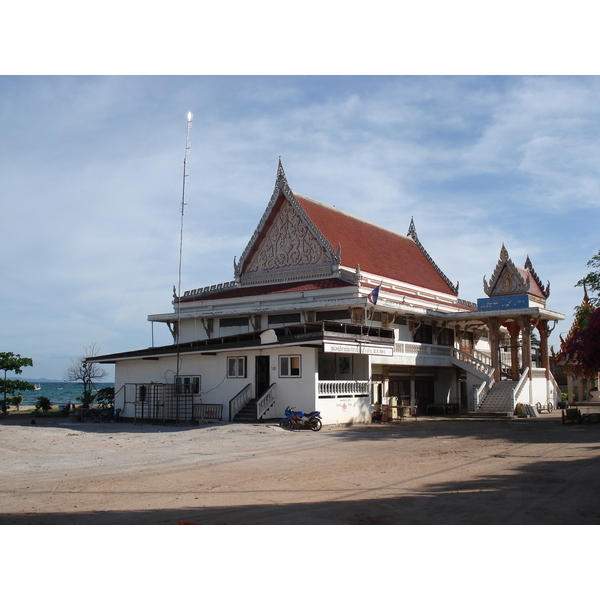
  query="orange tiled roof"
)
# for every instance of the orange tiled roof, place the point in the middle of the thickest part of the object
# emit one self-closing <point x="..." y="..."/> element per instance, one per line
<point x="377" y="250"/>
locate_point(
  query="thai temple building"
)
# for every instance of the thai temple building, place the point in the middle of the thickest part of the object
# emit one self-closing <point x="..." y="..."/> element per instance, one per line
<point x="328" y="312"/>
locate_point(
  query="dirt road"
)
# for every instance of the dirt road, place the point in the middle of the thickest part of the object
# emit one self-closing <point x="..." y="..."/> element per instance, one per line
<point x="521" y="471"/>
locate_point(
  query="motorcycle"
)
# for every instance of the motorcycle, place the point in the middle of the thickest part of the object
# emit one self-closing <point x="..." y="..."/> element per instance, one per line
<point x="296" y="419"/>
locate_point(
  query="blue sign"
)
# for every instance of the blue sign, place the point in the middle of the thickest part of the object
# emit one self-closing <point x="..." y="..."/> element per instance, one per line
<point x="503" y="302"/>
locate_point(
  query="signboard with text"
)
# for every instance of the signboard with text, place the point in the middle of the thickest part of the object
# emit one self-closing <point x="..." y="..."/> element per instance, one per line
<point x="503" y="302"/>
<point x="358" y="348"/>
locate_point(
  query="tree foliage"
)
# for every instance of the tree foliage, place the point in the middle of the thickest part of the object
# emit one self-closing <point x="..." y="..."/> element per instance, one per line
<point x="13" y="363"/>
<point x="43" y="403"/>
<point x="591" y="282"/>
<point x="583" y="346"/>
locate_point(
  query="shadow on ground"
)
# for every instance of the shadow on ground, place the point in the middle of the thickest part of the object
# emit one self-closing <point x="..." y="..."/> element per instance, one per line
<point x="561" y="492"/>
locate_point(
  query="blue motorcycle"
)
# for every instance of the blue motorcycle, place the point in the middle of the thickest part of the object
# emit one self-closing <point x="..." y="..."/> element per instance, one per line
<point x="296" y="419"/>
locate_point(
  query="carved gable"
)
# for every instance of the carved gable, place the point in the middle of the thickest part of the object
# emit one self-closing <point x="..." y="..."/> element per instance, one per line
<point x="287" y="243"/>
<point x="506" y="279"/>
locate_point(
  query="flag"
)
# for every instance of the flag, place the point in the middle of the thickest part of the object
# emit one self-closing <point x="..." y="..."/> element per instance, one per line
<point x="372" y="297"/>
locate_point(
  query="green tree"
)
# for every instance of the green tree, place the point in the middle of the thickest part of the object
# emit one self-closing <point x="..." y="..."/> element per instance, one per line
<point x="13" y="363"/>
<point x="16" y="401"/>
<point x="105" y="397"/>
<point x="591" y="282"/>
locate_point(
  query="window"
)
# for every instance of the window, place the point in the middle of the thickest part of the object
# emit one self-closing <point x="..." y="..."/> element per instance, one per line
<point x="446" y="337"/>
<point x="188" y="385"/>
<point x="424" y="335"/>
<point x="236" y="367"/>
<point x="282" y="320"/>
<point x="289" y="366"/>
<point x="233" y="326"/>
<point x="333" y="315"/>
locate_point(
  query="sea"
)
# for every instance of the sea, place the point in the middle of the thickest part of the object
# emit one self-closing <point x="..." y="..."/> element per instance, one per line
<point x="57" y="392"/>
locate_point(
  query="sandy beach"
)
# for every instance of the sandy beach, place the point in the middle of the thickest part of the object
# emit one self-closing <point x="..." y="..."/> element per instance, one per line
<point x="428" y="471"/>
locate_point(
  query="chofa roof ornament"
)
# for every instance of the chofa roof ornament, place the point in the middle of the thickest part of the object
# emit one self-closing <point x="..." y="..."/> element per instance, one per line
<point x="412" y="234"/>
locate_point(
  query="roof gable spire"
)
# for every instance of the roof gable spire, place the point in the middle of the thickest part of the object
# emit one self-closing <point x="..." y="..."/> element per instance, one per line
<point x="529" y="268"/>
<point x="286" y="245"/>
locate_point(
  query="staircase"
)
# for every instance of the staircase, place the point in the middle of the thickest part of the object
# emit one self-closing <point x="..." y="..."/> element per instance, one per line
<point x="247" y="414"/>
<point x="499" y="398"/>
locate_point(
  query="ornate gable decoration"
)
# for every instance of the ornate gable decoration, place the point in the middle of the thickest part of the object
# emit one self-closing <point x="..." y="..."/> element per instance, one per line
<point x="412" y="234"/>
<point x="286" y="245"/>
<point x="506" y="279"/>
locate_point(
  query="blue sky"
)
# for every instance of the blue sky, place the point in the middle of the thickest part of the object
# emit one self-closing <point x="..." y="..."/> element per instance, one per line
<point x="91" y="172"/>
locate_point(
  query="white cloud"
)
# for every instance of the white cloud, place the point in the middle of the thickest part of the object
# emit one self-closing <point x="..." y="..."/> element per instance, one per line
<point x="90" y="185"/>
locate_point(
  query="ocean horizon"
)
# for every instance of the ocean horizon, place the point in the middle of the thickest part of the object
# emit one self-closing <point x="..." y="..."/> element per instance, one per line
<point x="58" y="392"/>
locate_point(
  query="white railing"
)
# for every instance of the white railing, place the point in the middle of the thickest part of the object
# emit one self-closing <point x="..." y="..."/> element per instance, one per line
<point x="483" y="390"/>
<point x="483" y="357"/>
<point x="414" y="349"/>
<point x="554" y="393"/>
<point x="264" y="403"/>
<point x="481" y="366"/>
<point x="344" y="388"/>
<point x="520" y="388"/>
<point x="239" y="401"/>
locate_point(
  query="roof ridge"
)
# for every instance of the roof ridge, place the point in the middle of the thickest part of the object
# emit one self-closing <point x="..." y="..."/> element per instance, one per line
<point x="350" y="215"/>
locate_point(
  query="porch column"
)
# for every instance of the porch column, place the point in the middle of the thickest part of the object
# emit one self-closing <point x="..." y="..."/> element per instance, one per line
<point x="569" y="374"/>
<point x="526" y="330"/>
<point x="494" y="329"/>
<point x="544" y="356"/>
<point x="514" y="330"/>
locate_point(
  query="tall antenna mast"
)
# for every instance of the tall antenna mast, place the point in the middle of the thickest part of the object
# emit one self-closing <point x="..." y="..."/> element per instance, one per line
<point x="190" y="119"/>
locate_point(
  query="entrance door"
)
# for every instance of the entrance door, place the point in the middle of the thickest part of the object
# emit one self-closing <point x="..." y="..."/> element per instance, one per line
<point x="424" y="390"/>
<point x="466" y="343"/>
<point x="262" y="375"/>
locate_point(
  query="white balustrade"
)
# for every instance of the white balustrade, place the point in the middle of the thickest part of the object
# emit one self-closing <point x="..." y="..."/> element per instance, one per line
<point x="344" y="388"/>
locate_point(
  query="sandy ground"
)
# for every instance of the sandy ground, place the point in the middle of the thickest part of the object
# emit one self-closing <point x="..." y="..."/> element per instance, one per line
<point x="429" y="471"/>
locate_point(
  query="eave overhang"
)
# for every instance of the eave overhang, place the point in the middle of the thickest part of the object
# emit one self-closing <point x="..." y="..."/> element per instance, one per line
<point x="483" y="316"/>
<point x="309" y="334"/>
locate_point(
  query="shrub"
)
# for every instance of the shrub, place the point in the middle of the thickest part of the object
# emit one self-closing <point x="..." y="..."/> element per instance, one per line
<point x="43" y="404"/>
<point x="105" y="397"/>
<point x="16" y="401"/>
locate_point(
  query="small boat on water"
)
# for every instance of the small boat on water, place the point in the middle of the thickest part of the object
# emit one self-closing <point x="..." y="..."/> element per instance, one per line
<point x="37" y="387"/>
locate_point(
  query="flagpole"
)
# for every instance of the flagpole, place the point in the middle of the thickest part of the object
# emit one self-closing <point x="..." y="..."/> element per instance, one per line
<point x="378" y="288"/>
